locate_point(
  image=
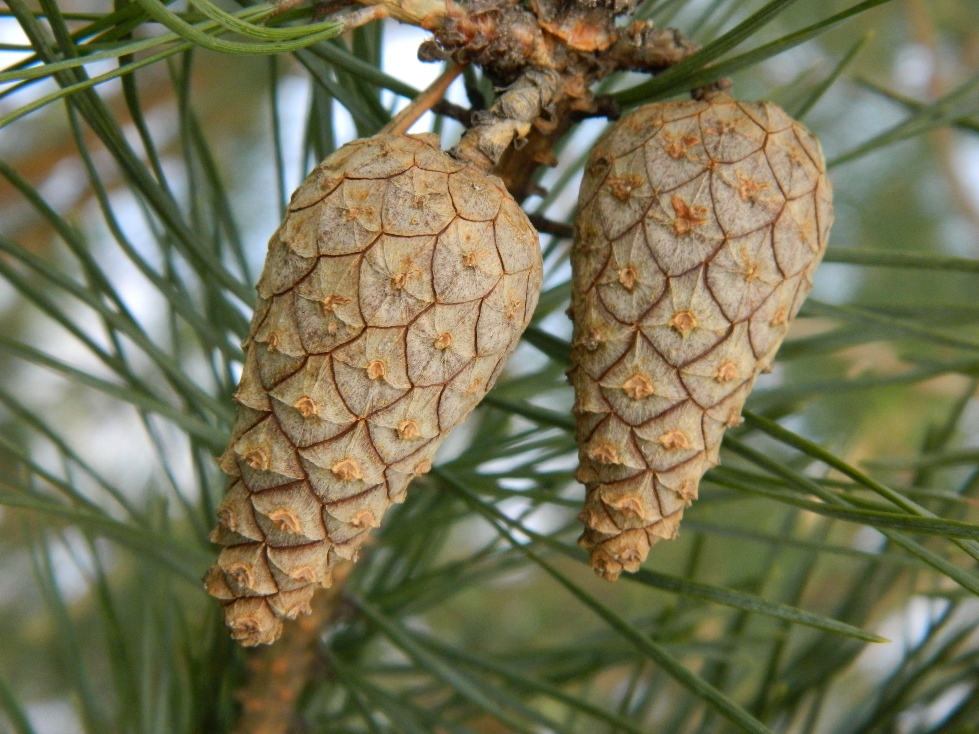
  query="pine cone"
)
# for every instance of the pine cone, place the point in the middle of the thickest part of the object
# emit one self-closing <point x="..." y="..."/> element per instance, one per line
<point x="699" y="227"/>
<point x="393" y="294"/>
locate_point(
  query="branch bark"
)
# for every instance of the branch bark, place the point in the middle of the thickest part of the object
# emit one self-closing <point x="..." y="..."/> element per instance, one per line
<point x="278" y="673"/>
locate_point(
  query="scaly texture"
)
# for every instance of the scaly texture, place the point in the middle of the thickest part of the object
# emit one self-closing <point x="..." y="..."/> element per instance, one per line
<point x="699" y="227"/>
<point x="392" y="295"/>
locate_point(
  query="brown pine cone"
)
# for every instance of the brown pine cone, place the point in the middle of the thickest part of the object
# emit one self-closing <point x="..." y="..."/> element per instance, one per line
<point x="393" y="294"/>
<point x="699" y="227"/>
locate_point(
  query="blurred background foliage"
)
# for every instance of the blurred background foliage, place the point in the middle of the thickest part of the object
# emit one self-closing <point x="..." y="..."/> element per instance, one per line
<point x="146" y="153"/>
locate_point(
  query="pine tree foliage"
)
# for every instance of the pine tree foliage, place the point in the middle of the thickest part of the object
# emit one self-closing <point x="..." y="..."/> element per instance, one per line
<point x="826" y="579"/>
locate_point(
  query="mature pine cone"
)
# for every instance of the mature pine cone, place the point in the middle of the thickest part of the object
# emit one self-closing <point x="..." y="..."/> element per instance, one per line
<point x="392" y="296"/>
<point x="699" y="227"/>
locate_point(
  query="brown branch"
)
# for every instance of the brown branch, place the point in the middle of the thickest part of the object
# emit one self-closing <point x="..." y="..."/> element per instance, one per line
<point x="453" y="111"/>
<point x="423" y="102"/>
<point x="422" y="13"/>
<point x="278" y="673"/>
<point x="511" y="118"/>
<point x="321" y="10"/>
<point x="544" y="225"/>
<point x="518" y="164"/>
<point x="547" y="56"/>
<point x="642" y="47"/>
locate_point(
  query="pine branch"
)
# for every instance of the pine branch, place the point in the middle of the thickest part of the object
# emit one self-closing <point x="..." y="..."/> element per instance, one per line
<point x="278" y="673"/>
